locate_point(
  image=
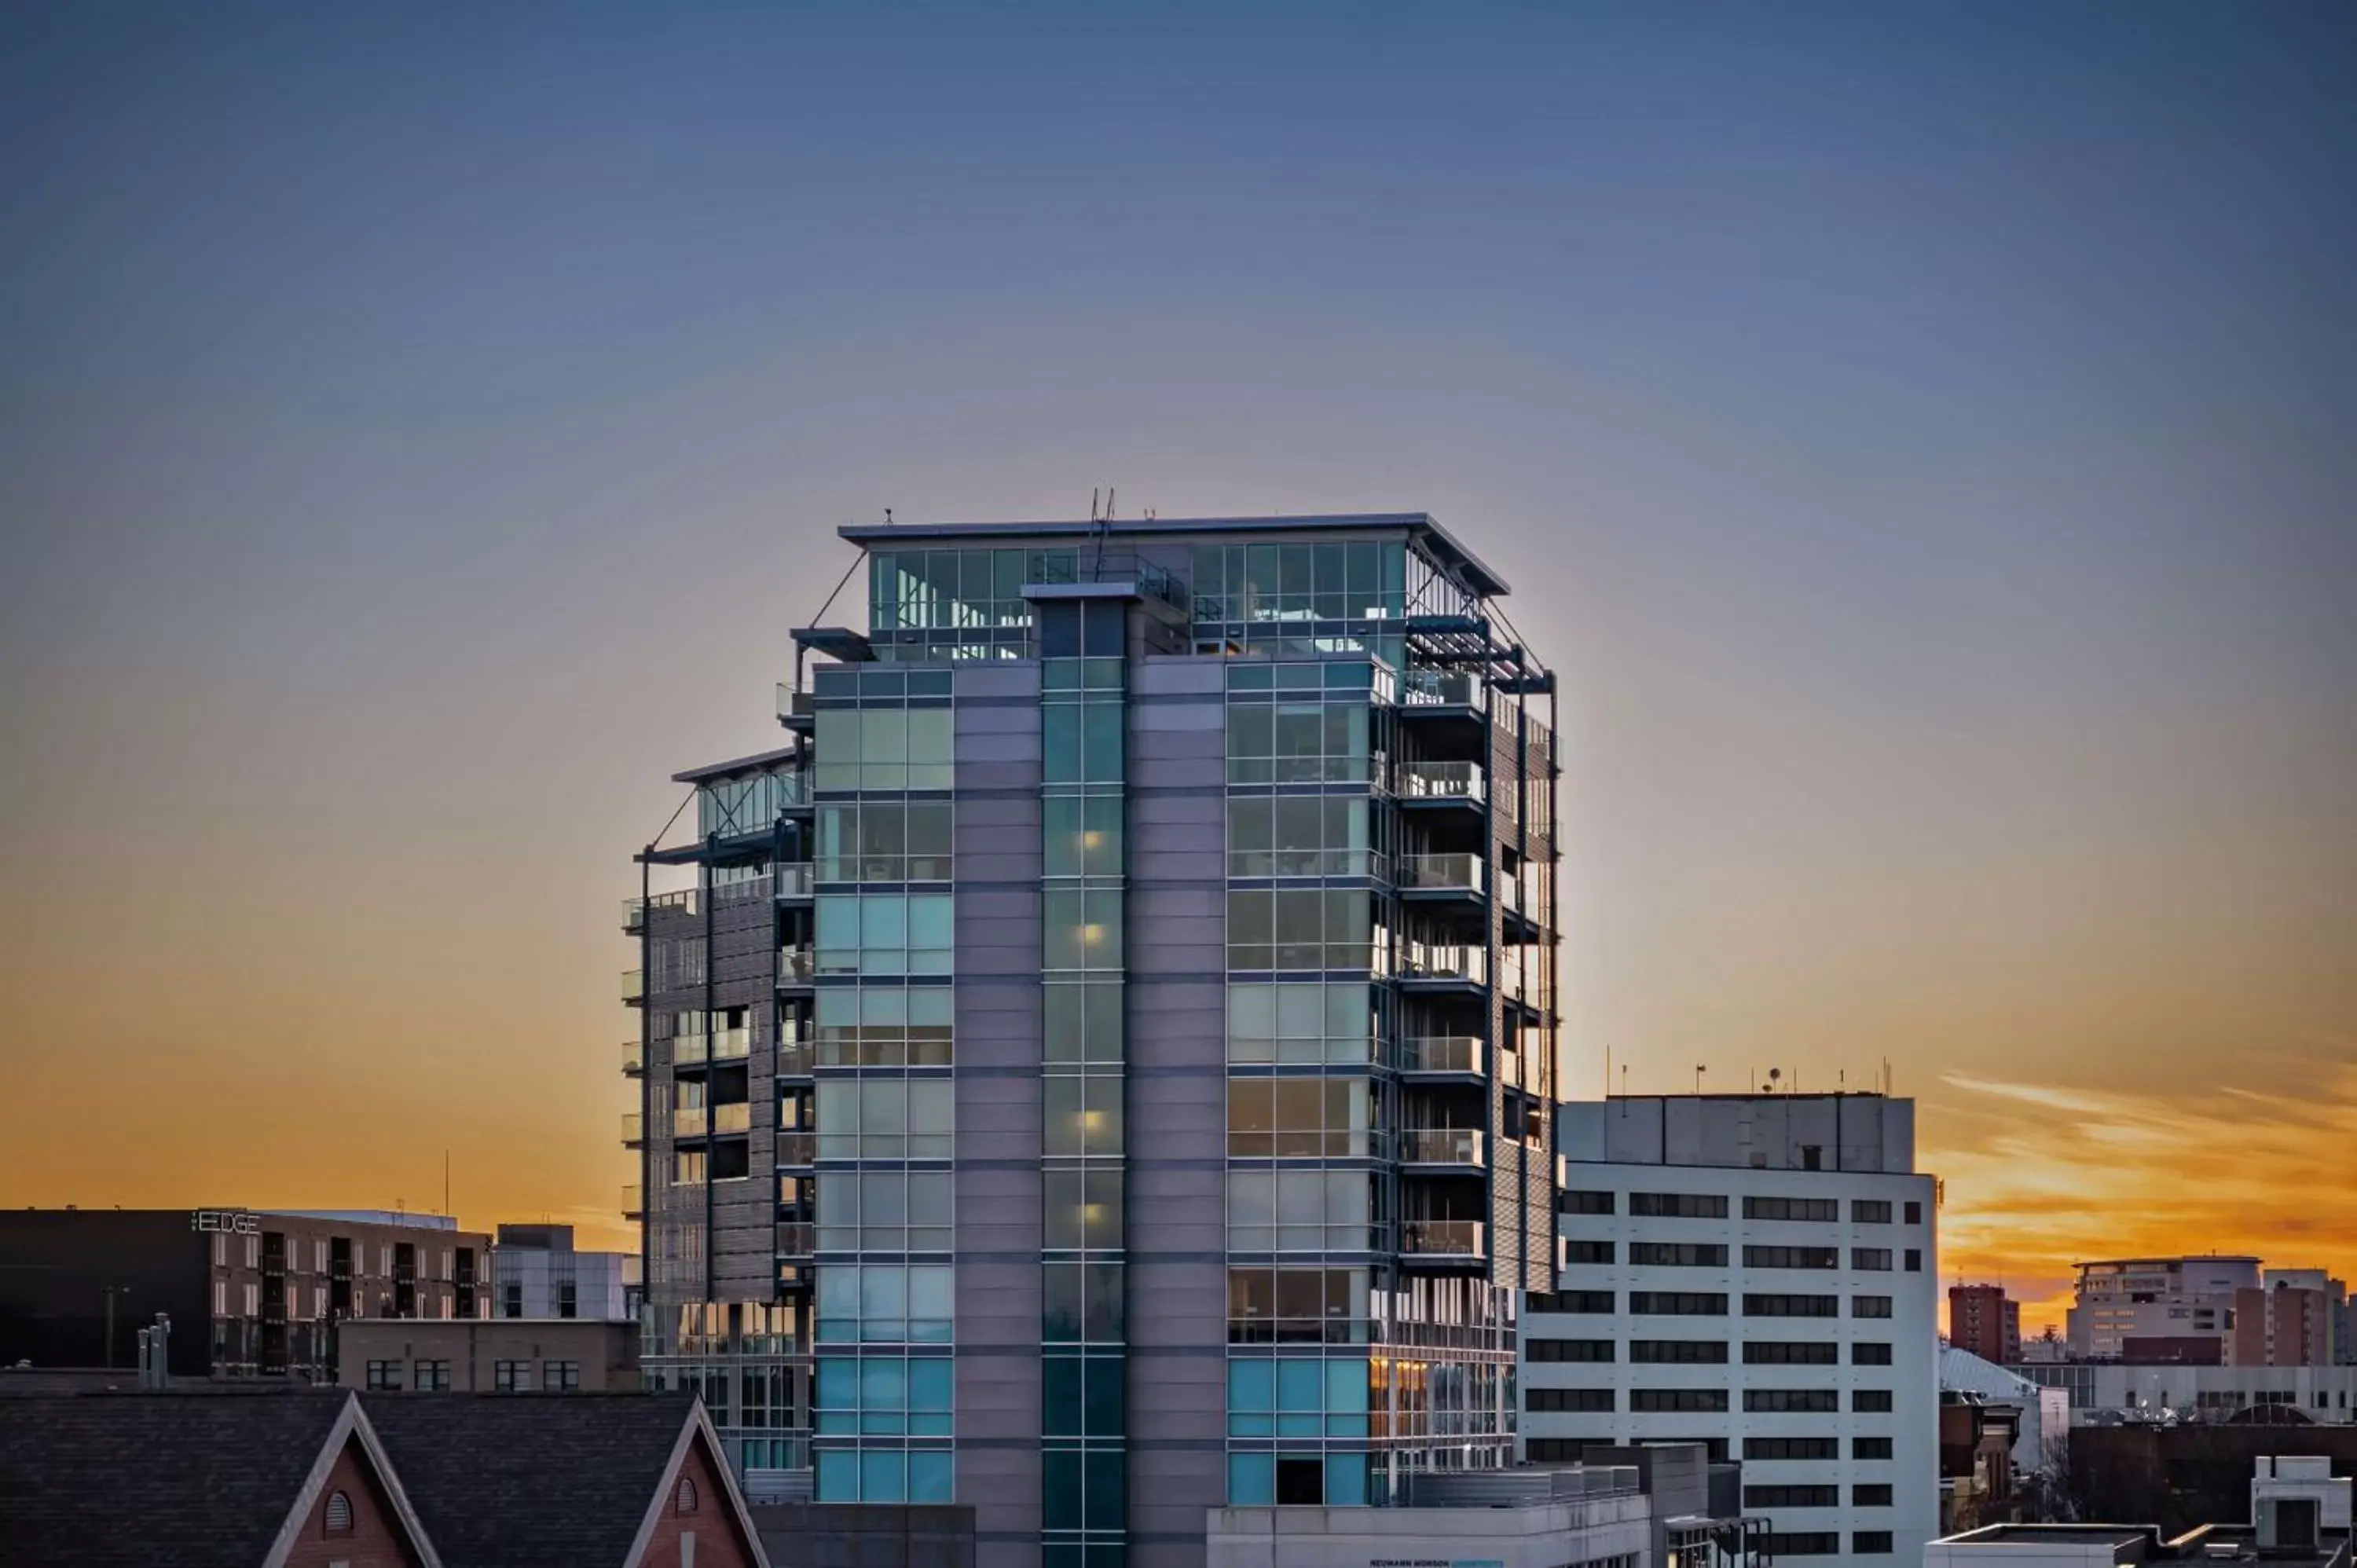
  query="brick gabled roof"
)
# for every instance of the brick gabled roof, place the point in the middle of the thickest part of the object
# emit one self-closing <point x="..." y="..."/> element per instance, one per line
<point x="561" y="1480"/>
<point x="128" y="1480"/>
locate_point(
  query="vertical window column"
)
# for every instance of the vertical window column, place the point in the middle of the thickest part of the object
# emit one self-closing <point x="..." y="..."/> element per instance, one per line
<point x="1084" y="1370"/>
<point x="880" y="1127"/>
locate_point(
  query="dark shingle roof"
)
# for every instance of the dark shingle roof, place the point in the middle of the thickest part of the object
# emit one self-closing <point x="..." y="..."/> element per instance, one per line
<point x="193" y="1480"/>
<point x="523" y="1480"/>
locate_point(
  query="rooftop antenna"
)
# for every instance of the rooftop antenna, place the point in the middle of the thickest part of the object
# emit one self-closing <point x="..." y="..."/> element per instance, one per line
<point x="1774" y="1075"/>
<point x="887" y="517"/>
<point x="1105" y="527"/>
<point x="1699" y="1070"/>
<point x="1093" y="503"/>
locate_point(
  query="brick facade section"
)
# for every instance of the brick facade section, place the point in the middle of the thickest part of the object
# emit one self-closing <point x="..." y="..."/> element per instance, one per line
<point x="719" y="1544"/>
<point x="376" y="1538"/>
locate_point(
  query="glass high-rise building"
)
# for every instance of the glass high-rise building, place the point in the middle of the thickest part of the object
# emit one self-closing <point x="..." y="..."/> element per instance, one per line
<point x="1104" y="1066"/>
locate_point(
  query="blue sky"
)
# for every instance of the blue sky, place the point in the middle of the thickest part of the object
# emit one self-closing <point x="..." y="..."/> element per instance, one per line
<point x="1920" y="433"/>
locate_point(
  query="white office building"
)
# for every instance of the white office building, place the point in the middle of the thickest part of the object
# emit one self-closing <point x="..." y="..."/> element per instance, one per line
<point x="2121" y="1299"/>
<point x="1756" y="1272"/>
<point x="2105" y="1394"/>
<point x="539" y="1274"/>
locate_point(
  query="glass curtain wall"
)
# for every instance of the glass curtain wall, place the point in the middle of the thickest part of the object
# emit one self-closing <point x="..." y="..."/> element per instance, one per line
<point x="1308" y="1200"/>
<point x="884" y="958"/>
<point x="1084" y="1370"/>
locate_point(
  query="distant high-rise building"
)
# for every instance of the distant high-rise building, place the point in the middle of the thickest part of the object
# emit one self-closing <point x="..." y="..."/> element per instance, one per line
<point x="1985" y="1321"/>
<point x="1759" y="1274"/>
<point x="2292" y="1319"/>
<point x="2155" y="1299"/>
<point x="1102" y="1070"/>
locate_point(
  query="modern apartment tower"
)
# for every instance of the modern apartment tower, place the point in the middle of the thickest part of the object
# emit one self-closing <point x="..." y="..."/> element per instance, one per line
<point x="1104" y="1069"/>
<point x="1757" y="1273"/>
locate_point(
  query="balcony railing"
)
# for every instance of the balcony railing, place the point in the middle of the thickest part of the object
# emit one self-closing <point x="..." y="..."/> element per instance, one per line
<point x="688" y="1121"/>
<point x="634" y="1201"/>
<point x="1440" y="1146"/>
<point x="794" y="704"/>
<point x="796" y="1055"/>
<point x="686" y="901"/>
<point x="797" y="1148"/>
<point x="793" y="879"/>
<point x="1439" y="781"/>
<point x="1439" y="688"/>
<point x="634" y="984"/>
<point x="796" y="1239"/>
<point x="1423" y="960"/>
<point x="1443" y="1238"/>
<point x="727" y="1045"/>
<point x="1439" y="1053"/>
<point x="634" y="1130"/>
<point x="634" y="1056"/>
<point x="796" y="966"/>
<point x="1441" y="871"/>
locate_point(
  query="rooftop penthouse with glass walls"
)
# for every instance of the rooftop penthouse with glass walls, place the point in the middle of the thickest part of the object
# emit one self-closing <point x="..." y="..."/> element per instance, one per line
<point x="1162" y="1031"/>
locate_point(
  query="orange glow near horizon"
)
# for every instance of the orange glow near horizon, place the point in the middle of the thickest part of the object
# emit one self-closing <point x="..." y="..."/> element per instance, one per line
<point x="2041" y="1177"/>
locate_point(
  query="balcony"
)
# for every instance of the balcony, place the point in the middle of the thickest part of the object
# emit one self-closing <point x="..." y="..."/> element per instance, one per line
<point x="1445" y="781"/>
<point x="796" y="710"/>
<point x="727" y="1045"/>
<point x="797" y="1053"/>
<point x="1454" y="1147"/>
<point x="634" y="914"/>
<point x="634" y="1201"/>
<point x="634" y="1132"/>
<point x="688" y="1121"/>
<point x="1446" y="712"/>
<point x="1439" y="964"/>
<point x="796" y="1239"/>
<point x="1437" y="1056"/>
<point x="634" y="984"/>
<point x="797" y="1150"/>
<point x="1441" y="873"/>
<point x="1438" y="689"/>
<point x="1455" y="1241"/>
<point x="793" y="879"/>
<point x="634" y="1058"/>
<point x="796" y="966"/>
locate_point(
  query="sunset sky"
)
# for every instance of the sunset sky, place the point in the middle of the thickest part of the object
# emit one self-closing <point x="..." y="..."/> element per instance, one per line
<point x="1921" y="436"/>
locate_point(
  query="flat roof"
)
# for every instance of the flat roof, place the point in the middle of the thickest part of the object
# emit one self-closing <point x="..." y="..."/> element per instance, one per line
<point x="1439" y="540"/>
<point x="1761" y="1094"/>
<point x="2092" y="1535"/>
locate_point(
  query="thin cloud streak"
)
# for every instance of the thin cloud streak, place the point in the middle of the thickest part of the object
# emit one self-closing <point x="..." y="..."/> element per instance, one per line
<point x="2065" y="1174"/>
